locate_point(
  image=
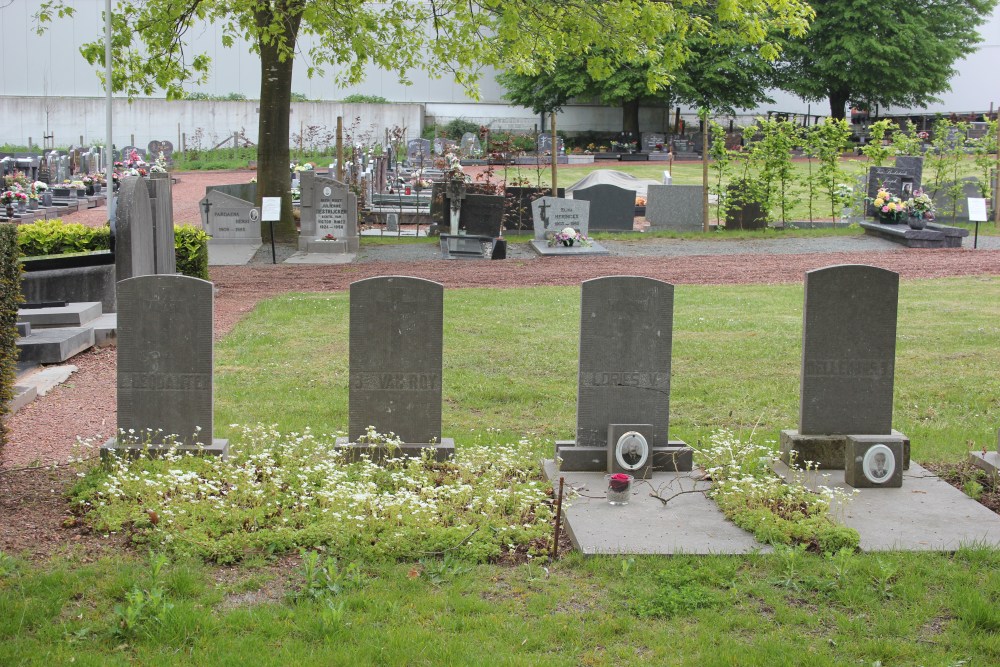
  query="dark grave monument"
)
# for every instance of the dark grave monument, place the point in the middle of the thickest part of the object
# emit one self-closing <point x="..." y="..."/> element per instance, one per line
<point x="612" y="209"/>
<point x="893" y="179"/>
<point x="165" y="358"/>
<point x="623" y="399"/>
<point x="517" y="206"/>
<point x="481" y="215"/>
<point x="848" y="367"/>
<point x="395" y="366"/>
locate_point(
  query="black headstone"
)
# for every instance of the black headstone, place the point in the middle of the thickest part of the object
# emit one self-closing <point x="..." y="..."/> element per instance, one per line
<point x="611" y="208"/>
<point x="481" y="215"/>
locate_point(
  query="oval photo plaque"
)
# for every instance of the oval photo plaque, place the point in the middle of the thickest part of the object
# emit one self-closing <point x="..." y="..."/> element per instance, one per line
<point x="632" y="451"/>
<point x="327" y="191"/>
<point x="878" y="464"/>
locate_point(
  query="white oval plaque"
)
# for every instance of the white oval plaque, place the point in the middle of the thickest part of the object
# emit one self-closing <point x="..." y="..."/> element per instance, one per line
<point x="878" y="464"/>
<point x="632" y="451"/>
<point x="327" y="191"/>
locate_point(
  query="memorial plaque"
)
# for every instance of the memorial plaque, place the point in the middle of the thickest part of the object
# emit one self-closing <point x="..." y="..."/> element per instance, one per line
<point x="626" y="333"/>
<point x="552" y="214"/>
<point x="650" y="141"/>
<point x="611" y="208"/>
<point x="678" y="207"/>
<point x="545" y="143"/>
<point x="890" y="178"/>
<point x="848" y="350"/>
<point x="165" y="359"/>
<point x="161" y="205"/>
<point x="395" y="358"/>
<point x="134" y="244"/>
<point x="229" y="219"/>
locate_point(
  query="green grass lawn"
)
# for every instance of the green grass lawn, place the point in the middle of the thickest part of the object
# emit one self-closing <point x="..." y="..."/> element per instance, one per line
<point x="510" y="361"/>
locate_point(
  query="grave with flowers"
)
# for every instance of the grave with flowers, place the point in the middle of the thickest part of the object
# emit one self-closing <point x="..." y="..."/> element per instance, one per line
<point x="561" y="227"/>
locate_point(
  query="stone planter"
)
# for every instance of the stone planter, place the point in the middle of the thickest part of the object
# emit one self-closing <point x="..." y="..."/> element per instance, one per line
<point x="916" y="222"/>
<point x="81" y="193"/>
<point x="159" y="174"/>
<point x="579" y="159"/>
<point x="32" y="204"/>
<point x="46" y="198"/>
<point x="633" y="157"/>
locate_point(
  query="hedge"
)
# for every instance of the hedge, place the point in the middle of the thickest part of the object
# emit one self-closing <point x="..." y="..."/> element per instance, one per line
<point x="10" y="297"/>
<point x="55" y="237"/>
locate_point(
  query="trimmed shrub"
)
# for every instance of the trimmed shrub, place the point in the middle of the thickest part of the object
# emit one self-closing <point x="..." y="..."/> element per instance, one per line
<point x="55" y="237"/>
<point x="191" y="250"/>
<point x="10" y="297"/>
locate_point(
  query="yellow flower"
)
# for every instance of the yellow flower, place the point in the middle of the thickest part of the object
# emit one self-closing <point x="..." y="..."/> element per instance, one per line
<point x="879" y="201"/>
<point x="892" y="206"/>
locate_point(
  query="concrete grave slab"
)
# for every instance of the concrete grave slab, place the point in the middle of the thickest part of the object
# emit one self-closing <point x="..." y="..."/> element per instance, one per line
<point x="545" y="250"/>
<point x="52" y="346"/>
<point x="303" y="257"/>
<point x="70" y="315"/>
<point x="688" y="524"/>
<point x="44" y="379"/>
<point x="925" y="514"/>
<point x="225" y="254"/>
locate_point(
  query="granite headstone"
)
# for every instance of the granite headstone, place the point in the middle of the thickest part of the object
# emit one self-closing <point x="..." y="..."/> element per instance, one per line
<point x="161" y="205"/>
<point x="552" y="214"/>
<point x="848" y="350"/>
<point x="395" y="358"/>
<point x="229" y="219"/>
<point x="134" y="240"/>
<point x="890" y="178"/>
<point x="611" y="208"/>
<point x="481" y="215"/>
<point x="677" y="207"/>
<point x="165" y="358"/>
<point x="328" y="208"/>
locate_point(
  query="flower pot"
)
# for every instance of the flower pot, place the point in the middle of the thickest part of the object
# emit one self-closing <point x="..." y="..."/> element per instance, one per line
<point x="619" y="488"/>
<point x="10" y="210"/>
<point x="46" y="199"/>
<point x="22" y="206"/>
<point x="32" y="204"/>
<point x="916" y="222"/>
<point x="568" y="243"/>
<point x="89" y="190"/>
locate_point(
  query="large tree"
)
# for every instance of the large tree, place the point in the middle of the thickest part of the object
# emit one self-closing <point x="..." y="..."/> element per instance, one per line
<point x="723" y="76"/>
<point x="440" y="36"/>
<point x="885" y="52"/>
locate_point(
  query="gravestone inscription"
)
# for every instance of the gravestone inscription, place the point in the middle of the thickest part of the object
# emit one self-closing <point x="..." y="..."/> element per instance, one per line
<point x="893" y="179"/>
<point x="229" y="219"/>
<point x="552" y="214"/>
<point x="329" y="210"/>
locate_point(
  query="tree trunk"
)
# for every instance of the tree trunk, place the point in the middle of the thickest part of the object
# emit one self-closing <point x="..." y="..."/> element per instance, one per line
<point x="273" y="155"/>
<point x="630" y="118"/>
<point x="838" y="104"/>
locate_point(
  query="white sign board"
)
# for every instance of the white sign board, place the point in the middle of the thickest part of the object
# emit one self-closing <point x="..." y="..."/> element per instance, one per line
<point x="977" y="209"/>
<point x="270" y="208"/>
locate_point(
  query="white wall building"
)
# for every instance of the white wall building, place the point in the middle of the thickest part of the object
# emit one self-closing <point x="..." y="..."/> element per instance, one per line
<point x="42" y="71"/>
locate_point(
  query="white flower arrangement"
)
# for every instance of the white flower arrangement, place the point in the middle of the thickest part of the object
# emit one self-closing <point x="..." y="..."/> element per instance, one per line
<point x="567" y="237"/>
<point x="160" y="166"/>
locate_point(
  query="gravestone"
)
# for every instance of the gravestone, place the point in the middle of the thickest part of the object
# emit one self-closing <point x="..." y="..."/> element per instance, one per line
<point x="133" y="232"/>
<point x="481" y="215"/>
<point x="848" y="362"/>
<point x="328" y="208"/>
<point x="890" y="178"/>
<point x="545" y="143"/>
<point x="440" y="208"/>
<point x="156" y="147"/>
<point x="125" y="155"/>
<point x="553" y="214"/>
<point x="517" y="206"/>
<point x="396" y="363"/>
<point x="230" y="220"/>
<point x="165" y="358"/>
<point x="418" y="152"/>
<point x="611" y="208"/>
<point x="470" y="145"/>
<point x="948" y="208"/>
<point x="392" y="222"/>
<point x="677" y="207"/>
<point x="161" y="206"/>
<point x="626" y="334"/>
<point x="650" y="141"/>
<point x="914" y="164"/>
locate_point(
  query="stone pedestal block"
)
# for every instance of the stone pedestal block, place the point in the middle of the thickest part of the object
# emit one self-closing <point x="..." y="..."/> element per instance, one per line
<point x="827" y="451"/>
<point x="873" y="461"/>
